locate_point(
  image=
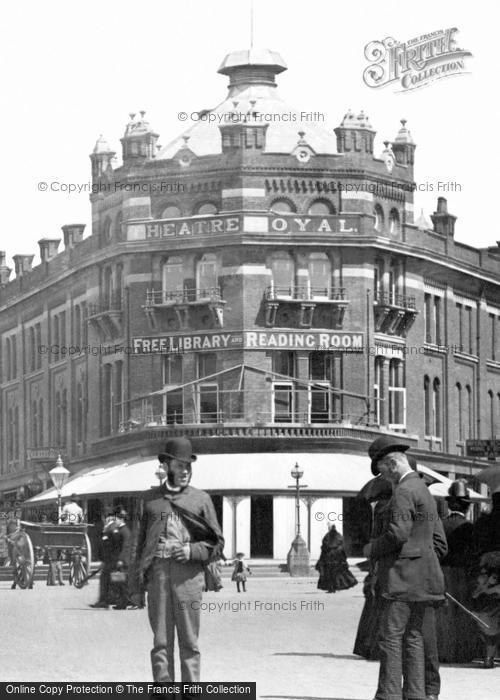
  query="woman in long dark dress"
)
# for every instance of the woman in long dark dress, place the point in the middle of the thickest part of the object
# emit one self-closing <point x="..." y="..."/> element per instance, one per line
<point x="334" y="574"/>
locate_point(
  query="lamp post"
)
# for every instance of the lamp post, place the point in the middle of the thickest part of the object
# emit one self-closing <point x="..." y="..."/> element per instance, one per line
<point x="59" y="476"/>
<point x="160" y="474"/>
<point x="298" y="557"/>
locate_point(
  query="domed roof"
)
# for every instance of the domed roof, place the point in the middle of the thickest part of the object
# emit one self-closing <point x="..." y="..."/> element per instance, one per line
<point x="101" y="145"/>
<point x="136" y="127"/>
<point x="253" y="96"/>
<point x="404" y="135"/>
<point x="252" y="57"/>
<point x="352" y="121"/>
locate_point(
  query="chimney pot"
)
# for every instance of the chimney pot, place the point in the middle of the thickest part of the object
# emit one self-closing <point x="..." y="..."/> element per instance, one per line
<point x="48" y="248"/>
<point x="22" y="264"/>
<point x="73" y="234"/>
<point x="442" y="206"/>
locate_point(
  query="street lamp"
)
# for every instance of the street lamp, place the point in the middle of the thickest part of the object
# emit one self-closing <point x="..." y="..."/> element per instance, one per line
<point x="297" y="474"/>
<point x="298" y="557"/>
<point x="59" y="476"/>
<point x="160" y="474"/>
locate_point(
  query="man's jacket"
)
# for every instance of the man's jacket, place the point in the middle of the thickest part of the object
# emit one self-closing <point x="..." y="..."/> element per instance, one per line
<point x="195" y="509"/>
<point x="408" y="550"/>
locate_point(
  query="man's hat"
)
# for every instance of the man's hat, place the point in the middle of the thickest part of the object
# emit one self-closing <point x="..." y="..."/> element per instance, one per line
<point x="381" y="447"/>
<point x="458" y="491"/>
<point x="178" y="448"/>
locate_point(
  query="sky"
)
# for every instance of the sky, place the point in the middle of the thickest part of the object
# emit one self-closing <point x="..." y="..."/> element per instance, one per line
<point x="75" y="70"/>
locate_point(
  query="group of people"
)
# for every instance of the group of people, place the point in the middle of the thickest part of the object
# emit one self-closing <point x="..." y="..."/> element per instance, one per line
<point x="432" y="592"/>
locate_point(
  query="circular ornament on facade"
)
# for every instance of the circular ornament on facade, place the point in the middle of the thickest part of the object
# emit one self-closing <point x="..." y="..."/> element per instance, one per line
<point x="303" y="155"/>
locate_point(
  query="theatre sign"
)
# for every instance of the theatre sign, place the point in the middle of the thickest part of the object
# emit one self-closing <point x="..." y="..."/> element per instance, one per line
<point x="249" y="340"/>
<point x="230" y="224"/>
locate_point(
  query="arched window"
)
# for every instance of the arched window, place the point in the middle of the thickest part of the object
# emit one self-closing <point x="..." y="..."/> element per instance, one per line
<point x="320" y="275"/>
<point x="436" y="408"/>
<point x="32" y="349"/>
<point x="173" y="279"/>
<point x="106" y="229"/>
<point x="283" y="273"/>
<point x="379" y="217"/>
<point x="427" y="406"/>
<point x="77" y="331"/>
<point x="460" y="412"/>
<point x="206" y="209"/>
<point x="394" y="222"/>
<point x="40" y="422"/>
<point x="118" y="226"/>
<point x="321" y="208"/>
<point x="107" y="287"/>
<point x="283" y="206"/>
<point x="206" y="276"/>
<point x="7" y="359"/>
<point x="171" y="212"/>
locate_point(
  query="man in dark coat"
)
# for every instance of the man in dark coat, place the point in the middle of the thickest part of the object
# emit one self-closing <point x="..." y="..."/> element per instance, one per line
<point x="179" y="532"/>
<point x="408" y="571"/>
<point x="115" y="556"/>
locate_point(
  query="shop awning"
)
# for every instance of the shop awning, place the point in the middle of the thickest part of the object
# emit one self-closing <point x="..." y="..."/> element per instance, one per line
<point x="328" y="473"/>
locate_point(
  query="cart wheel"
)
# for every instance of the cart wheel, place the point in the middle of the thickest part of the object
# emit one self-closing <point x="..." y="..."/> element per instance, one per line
<point x="24" y="561"/>
<point x="79" y="574"/>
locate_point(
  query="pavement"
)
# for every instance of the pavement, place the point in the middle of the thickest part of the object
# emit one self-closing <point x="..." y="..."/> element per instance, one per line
<point x="293" y="640"/>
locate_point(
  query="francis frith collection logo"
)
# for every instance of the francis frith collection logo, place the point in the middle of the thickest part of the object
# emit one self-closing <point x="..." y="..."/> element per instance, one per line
<point x="414" y="63"/>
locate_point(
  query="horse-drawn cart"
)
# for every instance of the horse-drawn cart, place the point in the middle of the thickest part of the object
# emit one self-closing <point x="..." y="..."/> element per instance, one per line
<point x="34" y="539"/>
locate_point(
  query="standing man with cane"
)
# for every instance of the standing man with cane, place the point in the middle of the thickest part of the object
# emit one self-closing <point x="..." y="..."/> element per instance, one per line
<point x="408" y="572"/>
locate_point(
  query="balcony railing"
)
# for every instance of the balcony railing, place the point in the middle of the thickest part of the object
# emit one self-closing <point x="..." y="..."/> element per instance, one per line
<point x="402" y="301"/>
<point x="185" y="296"/>
<point x="113" y="303"/>
<point x="305" y="293"/>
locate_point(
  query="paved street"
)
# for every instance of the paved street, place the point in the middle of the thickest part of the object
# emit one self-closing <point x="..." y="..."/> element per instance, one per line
<point x="292" y="639"/>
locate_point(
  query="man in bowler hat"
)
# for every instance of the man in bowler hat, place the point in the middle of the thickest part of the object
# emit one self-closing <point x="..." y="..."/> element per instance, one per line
<point x="408" y="571"/>
<point x="178" y="533"/>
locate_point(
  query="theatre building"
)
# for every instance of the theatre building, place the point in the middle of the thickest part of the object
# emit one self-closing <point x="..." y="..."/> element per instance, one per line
<point x="263" y="287"/>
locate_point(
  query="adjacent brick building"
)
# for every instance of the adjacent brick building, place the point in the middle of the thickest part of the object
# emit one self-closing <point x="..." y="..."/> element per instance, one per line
<point x="261" y="285"/>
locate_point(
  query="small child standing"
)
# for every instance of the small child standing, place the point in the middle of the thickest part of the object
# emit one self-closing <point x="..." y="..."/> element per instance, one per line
<point x="240" y="571"/>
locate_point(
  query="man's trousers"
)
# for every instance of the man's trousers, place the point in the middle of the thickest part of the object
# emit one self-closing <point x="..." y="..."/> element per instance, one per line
<point x="174" y="597"/>
<point x="401" y="642"/>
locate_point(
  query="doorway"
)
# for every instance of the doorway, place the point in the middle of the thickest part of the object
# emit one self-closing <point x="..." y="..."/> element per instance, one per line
<point x="261" y="526"/>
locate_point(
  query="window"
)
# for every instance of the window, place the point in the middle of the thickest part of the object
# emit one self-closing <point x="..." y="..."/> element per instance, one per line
<point x="173" y="400"/>
<point x="80" y="413"/>
<point x="117" y="407"/>
<point x="493" y="333"/>
<point x="206" y="276"/>
<point x="321" y="208"/>
<point x="470" y="412"/>
<point x="282" y="206"/>
<point x="173" y="279"/>
<point x="40" y="422"/>
<point x="427" y="406"/>
<point x="171" y="212"/>
<point x="320" y="275"/>
<point x="460" y="313"/>
<point x="34" y="423"/>
<point x="107" y="400"/>
<point x="208" y="392"/>
<point x="460" y="411"/>
<point x="324" y="371"/>
<point x="283" y="402"/>
<point x="283" y="275"/>
<point x="378" y="390"/>
<point x="13" y="346"/>
<point x="7" y="359"/>
<point x="470" y="328"/>
<point x="378" y="278"/>
<point x="437" y="320"/>
<point x="118" y="226"/>
<point x="77" y="329"/>
<point x="32" y="348"/>
<point x="107" y="287"/>
<point x="394" y="223"/>
<point x="118" y="287"/>
<point x="106" y="229"/>
<point x="491" y="401"/>
<point x="206" y="209"/>
<point x="379" y="217"/>
<point x="436" y="408"/>
<point x="397" y="395"/>
<point x="284" y="362"/>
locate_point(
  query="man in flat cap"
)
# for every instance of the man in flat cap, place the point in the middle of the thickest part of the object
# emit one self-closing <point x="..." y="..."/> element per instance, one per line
<point x="408" y="571"/>
<point x="179" y="532"/>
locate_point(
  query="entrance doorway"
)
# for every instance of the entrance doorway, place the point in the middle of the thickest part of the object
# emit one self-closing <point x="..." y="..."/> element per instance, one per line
<point x="261" y="526"/>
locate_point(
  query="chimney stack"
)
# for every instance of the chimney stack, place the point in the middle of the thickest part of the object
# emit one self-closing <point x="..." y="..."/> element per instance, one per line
<point x="443" y="222"/>
<point x="48" y="248"/>
<point x="4" y="270"/>
<point x="22" y="264"/>
<point x="73" y="234"/>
